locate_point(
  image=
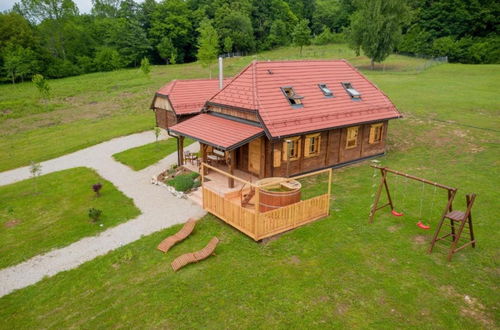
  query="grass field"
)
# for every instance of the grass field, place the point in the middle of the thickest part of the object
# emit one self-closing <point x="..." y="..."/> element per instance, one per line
<point x="339" y="272"/>
<point x="92" y="108"/>
<point x="141" y="157"/>
<point x="37" y="216"/>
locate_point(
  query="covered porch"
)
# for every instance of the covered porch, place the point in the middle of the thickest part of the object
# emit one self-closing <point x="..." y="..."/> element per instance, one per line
<point x="234" y="146"/>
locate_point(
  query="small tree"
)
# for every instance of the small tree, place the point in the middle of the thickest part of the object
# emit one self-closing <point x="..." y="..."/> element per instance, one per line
<point x="36" y="171"/>
<point x="208" y="45"/>
<point x="42" y="85"/>
<point x="302" y="34"/>
<point x="166" y="49"/>
<point x="228" y="45"/>
<point x="97" y="189"/>
<point x="145" y="66"/>
<point x="157" y="132"/>
<point x="94" y="214"/>
<point x="376" y="27"/>
<point x="173" y="56"/>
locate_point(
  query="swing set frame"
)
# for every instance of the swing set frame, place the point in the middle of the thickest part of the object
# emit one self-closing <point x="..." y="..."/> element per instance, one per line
<point x="383" y="184"/>
<point x="462" y="218"/>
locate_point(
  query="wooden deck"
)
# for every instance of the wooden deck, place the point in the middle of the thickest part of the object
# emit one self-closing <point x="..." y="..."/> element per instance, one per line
<point x="226" y="205"/>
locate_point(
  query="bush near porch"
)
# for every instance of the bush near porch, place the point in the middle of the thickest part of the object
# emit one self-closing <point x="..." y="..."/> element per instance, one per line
<point x="51" y="211"/>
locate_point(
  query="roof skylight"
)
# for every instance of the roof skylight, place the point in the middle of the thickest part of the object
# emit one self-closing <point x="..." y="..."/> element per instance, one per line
<point x="292" y="97"/>
<point x="326" y="91"/>
<point x="353" y="93"/>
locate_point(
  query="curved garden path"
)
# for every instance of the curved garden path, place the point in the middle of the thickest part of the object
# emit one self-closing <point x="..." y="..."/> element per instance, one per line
<point x="159" y="209"/>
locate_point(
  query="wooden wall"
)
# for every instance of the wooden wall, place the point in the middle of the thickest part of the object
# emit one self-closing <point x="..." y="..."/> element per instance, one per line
<point x="165" y="118"/>
<point x="332" y="151"/>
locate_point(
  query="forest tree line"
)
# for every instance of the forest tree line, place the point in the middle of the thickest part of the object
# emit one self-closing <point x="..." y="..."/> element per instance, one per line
<point x="52" y="38"/>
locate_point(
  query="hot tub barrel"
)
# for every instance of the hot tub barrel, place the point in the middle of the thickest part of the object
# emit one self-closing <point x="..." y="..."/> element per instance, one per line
<point x="270" y="199"/>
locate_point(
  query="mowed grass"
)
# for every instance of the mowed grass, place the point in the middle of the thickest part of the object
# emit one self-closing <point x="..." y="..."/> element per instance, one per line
<point x="92" y="108"/>
<point x="339" y="272"/>
<point x="51" y="211"/>
<point x="141" y="157"/>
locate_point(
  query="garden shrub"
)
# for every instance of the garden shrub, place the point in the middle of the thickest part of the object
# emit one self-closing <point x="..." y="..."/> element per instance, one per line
<point x="184" y="182"/>
<point x="94" y="214"/>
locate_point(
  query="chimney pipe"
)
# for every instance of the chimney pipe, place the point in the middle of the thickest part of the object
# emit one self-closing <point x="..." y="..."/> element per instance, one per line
<point x="221" y="73"/>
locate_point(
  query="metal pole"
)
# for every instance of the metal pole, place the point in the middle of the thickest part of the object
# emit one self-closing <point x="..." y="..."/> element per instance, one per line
<point x="221" y="73"/>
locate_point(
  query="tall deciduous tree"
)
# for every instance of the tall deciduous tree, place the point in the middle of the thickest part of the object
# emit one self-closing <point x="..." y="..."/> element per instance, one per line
<point x="376" y="27"/>
<point x="208" y="45"/>
<point x="302" y="34"/>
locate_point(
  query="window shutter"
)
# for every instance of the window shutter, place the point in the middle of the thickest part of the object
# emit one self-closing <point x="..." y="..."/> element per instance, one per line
<point x="285" y="151"/>
<point x="372" y="134"/>
<point x="307" y="147"/>
<point x="277" y="158"/>
<point x="318" y="144"/>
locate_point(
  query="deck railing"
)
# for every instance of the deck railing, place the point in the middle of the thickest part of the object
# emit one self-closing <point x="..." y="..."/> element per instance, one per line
<point x="257" y="224"/>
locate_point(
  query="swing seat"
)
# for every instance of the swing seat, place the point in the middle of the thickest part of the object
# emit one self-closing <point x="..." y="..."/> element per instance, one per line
<point x="396" y="213"/>
<point x="422" y="226"/>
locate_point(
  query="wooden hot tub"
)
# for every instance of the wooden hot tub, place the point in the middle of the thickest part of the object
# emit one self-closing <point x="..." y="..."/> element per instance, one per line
<point x="274" y="196"/>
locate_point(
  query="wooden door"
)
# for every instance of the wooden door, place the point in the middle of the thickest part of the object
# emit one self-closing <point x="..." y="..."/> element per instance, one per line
<point x="254" y="151"/>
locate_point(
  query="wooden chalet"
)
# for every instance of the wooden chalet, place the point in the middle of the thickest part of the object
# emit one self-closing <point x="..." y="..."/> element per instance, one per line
<point x="281" y="118"/>
<point x="265" y="131"/>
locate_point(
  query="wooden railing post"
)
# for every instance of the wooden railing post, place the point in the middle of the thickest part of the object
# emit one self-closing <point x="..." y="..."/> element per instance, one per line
<point x="330" y="175"/>
<point x="257" y="213"/>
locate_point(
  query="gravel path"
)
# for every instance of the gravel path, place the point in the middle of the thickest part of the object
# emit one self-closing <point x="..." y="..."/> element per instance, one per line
<point x="159" y="209"/>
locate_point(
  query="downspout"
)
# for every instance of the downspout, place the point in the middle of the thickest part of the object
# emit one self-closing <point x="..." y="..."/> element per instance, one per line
<point x="179" y="156"/>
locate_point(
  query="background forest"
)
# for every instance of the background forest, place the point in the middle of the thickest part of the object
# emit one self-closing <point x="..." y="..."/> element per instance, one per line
<point x="52" y="38"/>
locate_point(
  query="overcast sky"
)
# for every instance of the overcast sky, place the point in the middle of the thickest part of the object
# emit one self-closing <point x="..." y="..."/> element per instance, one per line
<point x="83" y="5"/>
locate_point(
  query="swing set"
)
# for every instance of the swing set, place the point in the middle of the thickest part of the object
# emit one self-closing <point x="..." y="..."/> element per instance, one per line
<point x="459" y="221"/>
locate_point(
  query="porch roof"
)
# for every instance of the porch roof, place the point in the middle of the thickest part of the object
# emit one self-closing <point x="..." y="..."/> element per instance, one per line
<point x="218" y="132"/>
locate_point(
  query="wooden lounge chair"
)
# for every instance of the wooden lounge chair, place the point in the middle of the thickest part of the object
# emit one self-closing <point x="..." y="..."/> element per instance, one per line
<point x="188" y="258"/>
<point x="170" y="241"/>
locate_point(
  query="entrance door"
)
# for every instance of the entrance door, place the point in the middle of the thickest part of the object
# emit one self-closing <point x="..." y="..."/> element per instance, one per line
<point x="254" y="151"/>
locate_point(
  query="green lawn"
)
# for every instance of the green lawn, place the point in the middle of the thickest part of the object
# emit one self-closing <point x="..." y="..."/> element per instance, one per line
<point x="51" y="212"/>
<point x="149" y="154"/>
<point x="340" y="272"/>
<point x="92" y="108"/>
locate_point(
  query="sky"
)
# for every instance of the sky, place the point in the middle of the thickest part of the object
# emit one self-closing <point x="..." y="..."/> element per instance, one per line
<point x="83" y="5"/>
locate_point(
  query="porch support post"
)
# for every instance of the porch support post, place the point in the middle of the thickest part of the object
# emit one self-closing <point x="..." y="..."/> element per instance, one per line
<point x="180" y="148"/>
<point x="230" y="163"/>
<point x="204" y="157"/>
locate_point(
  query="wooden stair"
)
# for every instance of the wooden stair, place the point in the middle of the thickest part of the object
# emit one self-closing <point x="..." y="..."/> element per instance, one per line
<point x="188" y="258"/>
<point x="459" y="222"/>
<point x="248" y="197"/>
<point x="170" y="241"/>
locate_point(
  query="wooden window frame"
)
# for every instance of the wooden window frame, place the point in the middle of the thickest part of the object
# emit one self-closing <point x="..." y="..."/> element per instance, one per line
<point x="355" y="139"/>
<point x="297" y="144"/>
<point x="308" y="152"/>
<point x="374" y="130"/>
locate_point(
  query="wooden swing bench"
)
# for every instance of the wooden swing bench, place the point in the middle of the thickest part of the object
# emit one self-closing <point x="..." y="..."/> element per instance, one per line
<point x="170" y="241"/>
<point x="188" y="258"/>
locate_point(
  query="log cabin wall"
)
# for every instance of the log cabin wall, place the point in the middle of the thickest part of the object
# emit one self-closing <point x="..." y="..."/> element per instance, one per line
<point x="333" y="150"/>
<point x="165" y="118"/>
<point x="248" y="115"/>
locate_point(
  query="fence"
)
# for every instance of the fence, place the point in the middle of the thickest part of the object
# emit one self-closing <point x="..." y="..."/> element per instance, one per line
<point x="255" y="219"/>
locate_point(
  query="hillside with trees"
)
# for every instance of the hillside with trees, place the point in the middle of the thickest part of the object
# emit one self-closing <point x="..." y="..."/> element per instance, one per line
<point x="52" y="38"/>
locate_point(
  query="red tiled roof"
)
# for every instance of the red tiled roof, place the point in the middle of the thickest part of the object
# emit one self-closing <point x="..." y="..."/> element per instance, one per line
<point x="189" y="96"/>
<point x="217" y="131"/>
<point x="258" y="87"/>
